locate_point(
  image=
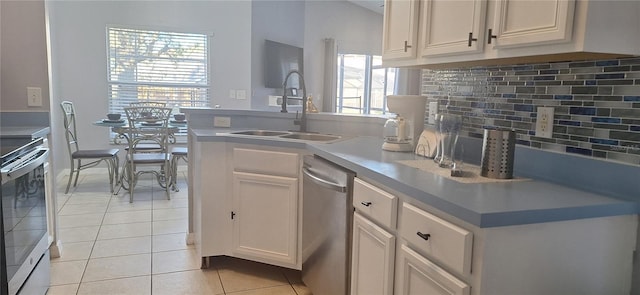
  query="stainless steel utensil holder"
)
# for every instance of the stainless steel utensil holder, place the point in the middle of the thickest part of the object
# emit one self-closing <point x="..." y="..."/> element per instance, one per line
<point x="498" y="147"/>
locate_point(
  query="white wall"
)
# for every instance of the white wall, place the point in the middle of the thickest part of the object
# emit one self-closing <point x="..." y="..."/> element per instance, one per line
<point x="78" y="52"/>
<point x="306" y="24"/>
<point x="356" y="30"/>
<point x="24" y="59"/>
<point x="280" y="21"/>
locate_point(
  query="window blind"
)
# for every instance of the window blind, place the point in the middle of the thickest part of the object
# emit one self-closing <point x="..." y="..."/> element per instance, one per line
<point x="157" y="66"/>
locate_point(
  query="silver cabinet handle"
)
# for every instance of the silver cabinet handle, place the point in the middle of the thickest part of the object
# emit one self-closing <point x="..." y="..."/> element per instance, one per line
<point x="323" y="182"/>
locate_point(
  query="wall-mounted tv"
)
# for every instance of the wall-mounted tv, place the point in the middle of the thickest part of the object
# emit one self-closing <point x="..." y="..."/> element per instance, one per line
<point x="279" y="59"/>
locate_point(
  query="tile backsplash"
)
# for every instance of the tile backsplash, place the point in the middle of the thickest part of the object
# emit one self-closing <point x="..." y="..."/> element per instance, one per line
<point x="596" y="103"/>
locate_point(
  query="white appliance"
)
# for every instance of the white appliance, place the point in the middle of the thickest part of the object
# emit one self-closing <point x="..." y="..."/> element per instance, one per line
<point x="401" y="133"/>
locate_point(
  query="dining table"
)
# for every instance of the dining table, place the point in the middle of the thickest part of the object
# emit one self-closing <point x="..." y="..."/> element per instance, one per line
<point x="121" y="129"/>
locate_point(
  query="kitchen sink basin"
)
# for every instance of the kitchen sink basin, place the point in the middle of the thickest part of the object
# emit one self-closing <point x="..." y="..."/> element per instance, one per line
<point x="261" y="133"/>
<point x="290" y="135"/>
<point x="311" y="136"/>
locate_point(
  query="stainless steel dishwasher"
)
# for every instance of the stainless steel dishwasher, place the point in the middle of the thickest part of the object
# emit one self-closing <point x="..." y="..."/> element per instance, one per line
<point x="327" y="218"/>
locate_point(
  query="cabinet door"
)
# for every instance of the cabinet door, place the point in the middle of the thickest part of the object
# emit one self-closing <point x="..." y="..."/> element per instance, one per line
<point x="372" y="258"/>
<point x="265" y="218"/>
<point x="417" y="275"/>
<point x="518" y="22"/>
<point x="452" y="27"/>
<point x="400" y="29"/>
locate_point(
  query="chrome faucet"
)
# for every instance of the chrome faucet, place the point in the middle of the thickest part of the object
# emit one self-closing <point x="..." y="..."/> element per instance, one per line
<point x="303" y="119"/>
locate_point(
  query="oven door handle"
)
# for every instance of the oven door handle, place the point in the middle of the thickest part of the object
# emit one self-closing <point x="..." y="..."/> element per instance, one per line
<point x="323" y="182"/>
<point x="33" y="160"/>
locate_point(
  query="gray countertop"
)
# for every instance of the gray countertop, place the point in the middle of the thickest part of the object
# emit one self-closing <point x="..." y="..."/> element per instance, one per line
<point x="24" y="132"/>
<point x="480" y="204"/>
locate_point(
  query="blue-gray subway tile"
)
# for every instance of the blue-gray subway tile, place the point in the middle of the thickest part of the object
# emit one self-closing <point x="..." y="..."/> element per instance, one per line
<point x="631" y="98"/>
<point x="584" y="90"/>
<point x="576" y="150"/>
<point x="581" y="64"/>
<point x="569" y="123"/>
<point x="610" y="126"/>
<point x="563" y="97"/>
<point x="606" y="120"/>
<point x="523" y="108"/>
<point x="604" y="141"/>
<point x="617" y="69"/>
<point x="615" y="82"/>
<point x="582" y="111"/>
<point x="623" y="135"/>
<point x="544" y="77"/>
<point x="613" y="62"/>
<point x="634" y="128"/>
<point x="590" y="82"/>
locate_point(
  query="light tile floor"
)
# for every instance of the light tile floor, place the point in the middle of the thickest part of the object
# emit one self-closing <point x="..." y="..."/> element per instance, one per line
<point x="113" y="247"/>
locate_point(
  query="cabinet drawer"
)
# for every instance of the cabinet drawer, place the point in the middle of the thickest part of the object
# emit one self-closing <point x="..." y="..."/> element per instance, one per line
<point x="375" y="203"/>
<point x="265" y="162"/>
<point x="439" y="239"/>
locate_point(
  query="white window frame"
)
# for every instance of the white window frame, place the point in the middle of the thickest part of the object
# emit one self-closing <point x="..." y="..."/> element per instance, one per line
<point x="366" y="97"/>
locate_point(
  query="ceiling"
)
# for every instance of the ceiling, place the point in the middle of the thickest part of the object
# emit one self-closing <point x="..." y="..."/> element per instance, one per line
<point x="375" y="5"/>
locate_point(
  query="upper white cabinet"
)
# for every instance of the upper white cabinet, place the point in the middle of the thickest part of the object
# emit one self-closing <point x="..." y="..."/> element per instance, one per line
<point x="452" y="27"/>
<point x="400" y="29"/>
<point x="481" y="32"/>
<point x="518" y="23"/>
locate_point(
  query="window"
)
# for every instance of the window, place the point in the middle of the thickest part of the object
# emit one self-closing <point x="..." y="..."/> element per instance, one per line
<point x="157" y="66"/>
<point x="363" y="84"/>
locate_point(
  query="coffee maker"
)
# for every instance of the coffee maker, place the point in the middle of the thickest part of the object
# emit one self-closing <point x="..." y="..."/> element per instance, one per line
<point x="401" y="133"/>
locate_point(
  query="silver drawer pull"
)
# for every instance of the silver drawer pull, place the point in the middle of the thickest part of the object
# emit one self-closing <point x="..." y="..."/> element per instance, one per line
<point x="424" y="236"/>
<point x="366" y="204"/>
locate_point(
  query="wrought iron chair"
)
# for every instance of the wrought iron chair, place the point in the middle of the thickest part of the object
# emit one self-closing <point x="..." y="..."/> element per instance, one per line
<point x="177" y="153"/>
<point x="156" y="104"/>
<point x="110" y="156"/>
<point x="148" y="125"/>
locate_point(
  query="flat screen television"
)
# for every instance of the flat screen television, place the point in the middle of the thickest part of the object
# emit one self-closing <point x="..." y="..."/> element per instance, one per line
<point x="279" y="60"/>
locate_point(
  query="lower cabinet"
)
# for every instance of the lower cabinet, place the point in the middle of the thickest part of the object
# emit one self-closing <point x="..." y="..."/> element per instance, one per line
<point x="415" y="274"/>
<point x="372" y="259"/>
<point x="265" y="217"/>
<point x="246" y="202"/>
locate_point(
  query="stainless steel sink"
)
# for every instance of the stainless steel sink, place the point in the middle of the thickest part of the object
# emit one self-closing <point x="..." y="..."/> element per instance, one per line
<point x="290" y="135"/>
<point x="311" y="136"/>
<point x="261" y="133"/>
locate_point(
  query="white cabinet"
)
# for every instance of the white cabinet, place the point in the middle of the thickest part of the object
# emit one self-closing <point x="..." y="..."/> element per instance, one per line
<point x="400" y="29"/>
<point x="372" y="258"/>
<point x="452" y="27"/>
<point x="417" y="275"/>
<point x="246" y="202"/>
<point x="481" y="32"/>
<point x="265" y="211"/>
<point x="520" y="23"/>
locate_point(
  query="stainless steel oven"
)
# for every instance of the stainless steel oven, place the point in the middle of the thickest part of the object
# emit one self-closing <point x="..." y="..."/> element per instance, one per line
<point x="24" y="248"/>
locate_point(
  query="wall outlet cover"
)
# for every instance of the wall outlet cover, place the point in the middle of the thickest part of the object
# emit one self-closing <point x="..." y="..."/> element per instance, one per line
<point x="433" y="110"/>
<point x="241" y="94"/>
<point x="222" y="122"/>
<point x="544" y="122"/>
<point x="34" y="96"/>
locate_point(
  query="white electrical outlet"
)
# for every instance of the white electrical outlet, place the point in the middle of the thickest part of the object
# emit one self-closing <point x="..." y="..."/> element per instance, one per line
<point x="241" y="94"/>
<point x="222" y="122"/>
<point x="34" y="96"/>
<point x="433" y="110"/>
<point x="544" y="122"/>
<point x="232" y="93"/>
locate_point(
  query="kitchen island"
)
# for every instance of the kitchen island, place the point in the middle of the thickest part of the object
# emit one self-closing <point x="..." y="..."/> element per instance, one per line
<point x="528" y="236"/>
